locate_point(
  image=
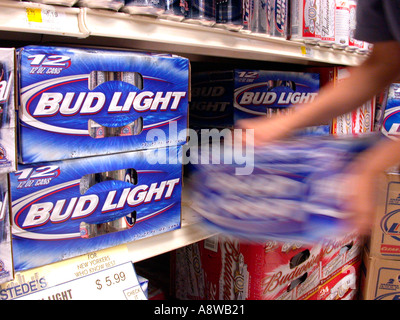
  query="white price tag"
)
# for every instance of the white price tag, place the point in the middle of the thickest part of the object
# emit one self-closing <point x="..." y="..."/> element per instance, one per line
<point x="116" y="283"/>
<point x="307" y="51"/>
<point x="45" y="18"/>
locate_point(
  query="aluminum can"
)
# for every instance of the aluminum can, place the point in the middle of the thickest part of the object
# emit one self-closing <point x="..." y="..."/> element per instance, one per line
<point x="278" y="18"/>
<point x="228" y="14"/>
<point x="146" y="7"/>
<point x="327" y="19"/>
<point x="342" y="24"/>
<point x="304" y="21"/>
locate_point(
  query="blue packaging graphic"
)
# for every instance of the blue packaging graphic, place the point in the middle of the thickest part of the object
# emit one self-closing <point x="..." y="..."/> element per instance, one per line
<point x="77" y="102"/>
<point x="262" y="92"/>
<point x="211" y="105"/>
<point x="295" y="191"/>
<point x="67" y="208"/>
<point x="391" y="118"/>
<point x="7" y="111"/>
<point x="6" y="261"/>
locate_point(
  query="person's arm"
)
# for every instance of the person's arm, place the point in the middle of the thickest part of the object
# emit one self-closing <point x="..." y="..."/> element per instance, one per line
<point x="380" y="69"/>
<point x="363" y="180"/>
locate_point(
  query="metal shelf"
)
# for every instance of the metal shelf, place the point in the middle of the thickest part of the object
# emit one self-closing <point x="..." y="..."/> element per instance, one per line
<point x="150" y="33"/>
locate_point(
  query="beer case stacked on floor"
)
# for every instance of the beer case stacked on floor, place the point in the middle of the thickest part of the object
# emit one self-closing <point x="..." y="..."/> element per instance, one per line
<point x="225" y="268"/>
<point x="381" y="257"/>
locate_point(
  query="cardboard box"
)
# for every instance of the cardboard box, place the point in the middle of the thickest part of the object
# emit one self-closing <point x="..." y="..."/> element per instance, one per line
<point x="380" y="278"/>
<point x="384" y="241"/>
<point x="211" y="105"/>
<point x="391" y="120"/>
<point x="6" y="261"/>
<point x="8" y="150"/>
<point x="222" y="268"/>
<point x="67" y="208"/>
<point x="77" y="102"/>
<point x="358" y="121"/>
<point x="260" y="93"/>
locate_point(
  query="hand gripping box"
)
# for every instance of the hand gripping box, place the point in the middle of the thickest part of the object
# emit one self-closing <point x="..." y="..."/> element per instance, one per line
<point x="67" y="208"/>
<point x="384" y="241"/>
<point x="8" y="148"/>
<point x="76" y="102"/>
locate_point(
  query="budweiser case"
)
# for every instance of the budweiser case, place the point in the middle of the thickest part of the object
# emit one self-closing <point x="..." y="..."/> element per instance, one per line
<point x="384" y="241"/>
<point x="228" y="269"/>
<point x="77" y="102"/>
<point x="67" y="208"/>
<point x="7" y="111"/>
<point x="6" y="262"/>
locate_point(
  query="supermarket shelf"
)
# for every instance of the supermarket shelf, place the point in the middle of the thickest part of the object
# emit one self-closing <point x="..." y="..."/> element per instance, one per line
<point x="27" y="17"/>
<point x="192" y="231"/>
<point x="149" y="33"/>
<point x="182" y="37"/>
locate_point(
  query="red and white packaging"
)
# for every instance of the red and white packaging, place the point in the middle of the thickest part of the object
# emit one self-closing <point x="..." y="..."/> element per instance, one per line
<point x="339" y="253"/>
<point x="304" y="21"/>
<point x="341" y="286"/>
<point x="342" y="24"/>
<point x="224" y="268"/>
<point x="327" y="19"/>
<point x="353" y="43"/>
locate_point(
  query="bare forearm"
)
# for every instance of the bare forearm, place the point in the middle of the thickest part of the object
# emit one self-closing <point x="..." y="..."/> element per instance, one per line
<point x="378" y="71"/>
<point x="381" y="157"/>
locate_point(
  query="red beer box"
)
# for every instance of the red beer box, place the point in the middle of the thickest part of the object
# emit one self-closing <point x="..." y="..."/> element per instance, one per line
<point x="227" y="269"/>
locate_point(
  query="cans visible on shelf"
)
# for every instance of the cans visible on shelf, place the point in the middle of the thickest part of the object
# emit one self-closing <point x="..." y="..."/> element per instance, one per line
<point x="228" y="14"/>
<point x="277" y="18"/>
<point x="342" y="24"/>
<point x="304" y="23"/>
<point x="201" y="12"/>
<point x="327" y="20"/>
<point x="146" y="7"/>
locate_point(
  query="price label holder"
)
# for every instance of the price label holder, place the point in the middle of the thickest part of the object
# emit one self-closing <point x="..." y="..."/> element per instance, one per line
<point x="306" y="51"/>
<point x="116" y="283"/>
<point x="45" y="18"/>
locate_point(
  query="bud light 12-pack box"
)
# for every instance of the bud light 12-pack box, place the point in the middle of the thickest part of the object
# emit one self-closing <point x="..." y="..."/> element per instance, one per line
<point x="264" y="92"/>
<point x="7" y="111"/>
<point x="67" y="208"/>
<point x="77" y="102"/>
<point x="6" y="262"/>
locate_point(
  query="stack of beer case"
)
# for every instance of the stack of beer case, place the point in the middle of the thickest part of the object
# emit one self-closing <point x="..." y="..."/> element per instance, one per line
<point x="100" y="134"/>
<point x="226" y="268"/>
<point x="380" y="279"/>
<point x="7" y="157"/>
